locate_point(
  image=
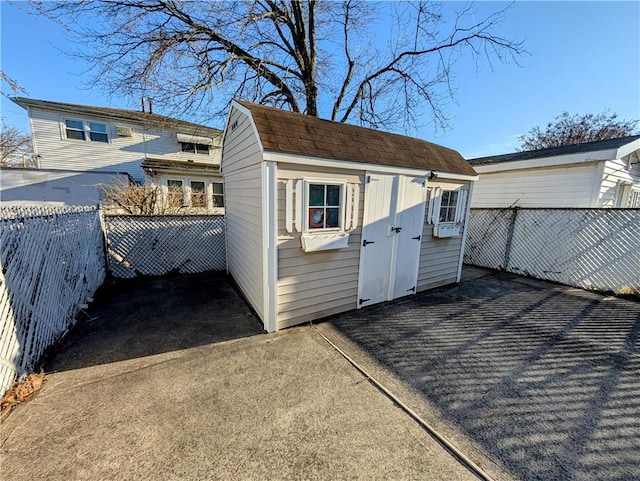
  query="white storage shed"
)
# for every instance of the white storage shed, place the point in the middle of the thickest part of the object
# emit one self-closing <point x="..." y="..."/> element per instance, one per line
<point x="325" y="217"/>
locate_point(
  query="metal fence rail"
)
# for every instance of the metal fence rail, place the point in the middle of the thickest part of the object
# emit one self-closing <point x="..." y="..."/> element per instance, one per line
<point x="157" y="245"/>
<point x="52" y="261"/>
<point x="588" y="248"/>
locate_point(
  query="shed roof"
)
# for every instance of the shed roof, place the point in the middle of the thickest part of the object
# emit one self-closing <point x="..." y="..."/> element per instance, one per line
<point x="122" y="115"/>
<point x="596" y="146"/>
<point x="294" y="133"/>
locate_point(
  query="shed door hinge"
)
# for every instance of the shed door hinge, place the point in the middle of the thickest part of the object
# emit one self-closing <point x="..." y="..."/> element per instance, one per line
<point x="365" y="242"/>
<point x="417" y="237"/>
<point x="413" y="289"/>
<point x="362" y="301"/>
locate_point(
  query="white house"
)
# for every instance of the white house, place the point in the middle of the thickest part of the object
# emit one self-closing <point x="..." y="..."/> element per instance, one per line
<point x="593" y="174"/>
<point x="146" y="146"/>
<point x="324" y="217"/>
<point x="54" y="187"/>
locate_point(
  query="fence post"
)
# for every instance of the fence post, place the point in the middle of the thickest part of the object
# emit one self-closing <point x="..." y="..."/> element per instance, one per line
<point x="105" y="239"/>
<point x="507" y="252"/>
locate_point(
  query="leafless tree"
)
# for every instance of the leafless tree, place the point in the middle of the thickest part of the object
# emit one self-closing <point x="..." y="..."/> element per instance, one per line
<point x="377" y="64"/>
<point x="16" y="149"/>
<point x="123" y="197"/>
<point x="568" y="129"/>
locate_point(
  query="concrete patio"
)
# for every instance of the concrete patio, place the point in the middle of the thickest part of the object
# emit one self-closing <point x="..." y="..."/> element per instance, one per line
<point x="170" y="379"/>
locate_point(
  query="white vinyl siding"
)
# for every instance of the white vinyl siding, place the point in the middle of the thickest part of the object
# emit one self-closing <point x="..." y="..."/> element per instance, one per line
<point x="121" y="153"/>
<point x="546" y="187"/>
<point x="315" y="284"/>
<point x="615" y="174"/>
<point x="243" y="210"/>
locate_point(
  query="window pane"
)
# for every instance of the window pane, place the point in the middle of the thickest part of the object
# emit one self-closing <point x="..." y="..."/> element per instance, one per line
<point x="188" y="147"/>
<point x="175" y="196"/>
<point x="98" y="137"/>
<point x="75" y="134"/>
<point x="333" y="195"/>
<point x="316" y="195"/>
<point x="218" y="188"/>
<point x="102" y="128"/>
<point x="202" y="149"/>
<point x="74" y="124"/>
<point x="332" y="217"/>
<point x="218" y="201"/>
<point x="198" y="198"/>
<point x="316" y="218"/>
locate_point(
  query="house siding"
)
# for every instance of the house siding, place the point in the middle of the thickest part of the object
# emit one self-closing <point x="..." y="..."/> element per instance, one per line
<point x="549" y="187"/>
<point x="439" y="258"/>
<point x="616" y="172"/>
<point x="312" y="285"/>
<point x="122" y="154"/>
<point x="241" y="166"/>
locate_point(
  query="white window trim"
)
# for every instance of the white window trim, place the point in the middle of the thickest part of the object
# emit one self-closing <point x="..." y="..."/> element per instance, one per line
<point x="87" y="130"/>
<point x="186" y="190"/>
<point x="305" y="205"/>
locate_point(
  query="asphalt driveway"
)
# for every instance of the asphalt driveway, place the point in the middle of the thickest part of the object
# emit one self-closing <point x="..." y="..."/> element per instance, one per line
<point x="544" y="378"/>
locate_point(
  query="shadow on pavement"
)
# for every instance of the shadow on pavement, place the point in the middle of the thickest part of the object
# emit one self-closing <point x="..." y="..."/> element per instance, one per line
<point x="545" y="377"/>
<point x="132" y="319"/>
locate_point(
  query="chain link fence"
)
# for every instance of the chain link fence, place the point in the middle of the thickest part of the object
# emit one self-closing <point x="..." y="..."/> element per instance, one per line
<point x="158" y="245"/>
<point x="52" y="261"/>
<point x="587" y="248"/>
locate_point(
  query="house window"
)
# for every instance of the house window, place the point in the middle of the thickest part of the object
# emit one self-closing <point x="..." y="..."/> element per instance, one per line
<point x="324" y="205"/>
<point x="98" y="132"/>
<point x="74" y="129"/>
<point x="448" y="205"/>
<point x="198" y="197"/>
<point x="218" y="194"/>
<point x="82" y="130"/>
<point x="175" y="195"/>
<point x="194" y="148"/>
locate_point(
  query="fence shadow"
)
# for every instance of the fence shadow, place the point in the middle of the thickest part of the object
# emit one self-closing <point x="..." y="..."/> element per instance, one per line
<point x="544" y="377"/>
<point x="142" y="317"/>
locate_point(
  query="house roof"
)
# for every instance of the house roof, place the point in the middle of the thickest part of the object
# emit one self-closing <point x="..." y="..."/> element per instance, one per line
<point x="556" y="151"/>
<point x="162" y="164"/>
<point x="117" y="114"/>
<point x="294" y="133"/>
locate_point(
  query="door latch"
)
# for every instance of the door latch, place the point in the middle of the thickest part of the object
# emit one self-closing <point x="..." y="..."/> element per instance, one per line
<point x="397" y="229"/>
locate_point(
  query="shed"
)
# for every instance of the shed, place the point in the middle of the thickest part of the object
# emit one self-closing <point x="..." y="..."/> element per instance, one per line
<point x="325" y="217"/>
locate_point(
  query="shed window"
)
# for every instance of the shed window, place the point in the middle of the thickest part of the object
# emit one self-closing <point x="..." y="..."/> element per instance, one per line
<point x="324" y="206"/>
<point x="83" y="130"/>
<point x="448" y="206"/>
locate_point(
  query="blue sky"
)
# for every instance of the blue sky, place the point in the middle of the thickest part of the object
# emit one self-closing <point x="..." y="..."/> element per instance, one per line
<point x="584" y="57"/>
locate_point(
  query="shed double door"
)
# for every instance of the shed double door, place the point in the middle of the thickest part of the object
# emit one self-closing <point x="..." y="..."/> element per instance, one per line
<point x="391" y="234"/>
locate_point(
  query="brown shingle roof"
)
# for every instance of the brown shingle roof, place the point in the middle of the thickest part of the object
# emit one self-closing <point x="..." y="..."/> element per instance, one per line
<point x="293" y="133"/>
